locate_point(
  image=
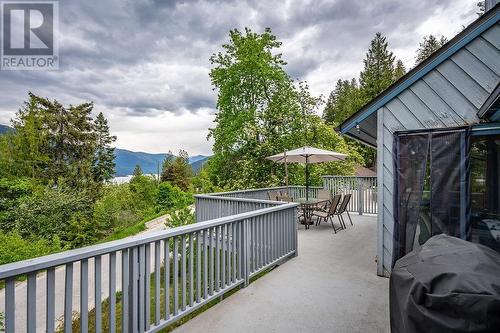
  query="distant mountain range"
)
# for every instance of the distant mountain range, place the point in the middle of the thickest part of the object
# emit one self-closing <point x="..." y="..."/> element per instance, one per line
<point x="126" y="160"/>
<point x="5" y="129"/>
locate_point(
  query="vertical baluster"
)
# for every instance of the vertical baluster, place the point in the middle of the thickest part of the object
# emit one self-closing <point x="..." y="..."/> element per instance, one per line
<point x="284" y="225"/>
<point x="50" y="301"/>
<point x="176" y="275"/>
<point x="31" y="306"/>
<point x="68" y="297"/>
<point x="112" y="292"/>
<point x="211" y="255"/>
<point x="282" y="219"/>
<point x="134" y="277"/>
<point x="229" y="247"/>
<point x="286" y="217"/>
<point x="97" y="294"/>
<point x="234" y="251"/>
<point x="183" y="272"/>
<point x="252" y="245"/>
<point x="261" y="241"/>
<point x="141" y="290"/>
<point x="191" y="267"/>
<point x="84" y="295"/>
<point x="240" y="249"/>
<point x="125" y="291"/>
<point x="224" y="252"/>
<point x="264" y="240"/>
<point x="10" y="305"/>
<point x="147" y="283"/>
<point x="205" y="264"/>
<point x="257" y="242"/>
<point x="166" y="264"/>
<point x="157" y="281"/>
<point x="275" y="235"/>
<point x="217" y="258"/>
<point x="198" y="266"/>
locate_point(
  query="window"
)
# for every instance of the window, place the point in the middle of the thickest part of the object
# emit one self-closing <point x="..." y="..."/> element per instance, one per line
<point x="485" y="185"/>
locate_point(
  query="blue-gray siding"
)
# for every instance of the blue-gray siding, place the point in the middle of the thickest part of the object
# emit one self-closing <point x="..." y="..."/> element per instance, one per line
<point x="448" y="96"/>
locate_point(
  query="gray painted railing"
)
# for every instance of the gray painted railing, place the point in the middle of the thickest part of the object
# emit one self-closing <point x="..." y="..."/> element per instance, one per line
<point x="164" y="275"/>
<point x="363" y="190"/>
<point x="261" y="193"/>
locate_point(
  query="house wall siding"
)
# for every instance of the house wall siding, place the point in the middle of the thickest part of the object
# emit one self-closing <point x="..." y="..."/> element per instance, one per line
<point x="448" y="96"/>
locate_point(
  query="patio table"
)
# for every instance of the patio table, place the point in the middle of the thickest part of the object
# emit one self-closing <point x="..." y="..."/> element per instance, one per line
<point x="307" y="206"/>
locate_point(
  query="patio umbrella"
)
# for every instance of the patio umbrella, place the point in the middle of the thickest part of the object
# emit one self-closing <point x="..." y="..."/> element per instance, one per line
<point x="307" y="155"/>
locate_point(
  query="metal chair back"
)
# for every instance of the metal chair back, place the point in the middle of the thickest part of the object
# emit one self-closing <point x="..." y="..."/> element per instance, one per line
<point x="285" y="198"/>
<point x="334" y="204"/>
<point x="345" y="202"/>
<point x="273" y="195"/>
<point x="324" y="194"/>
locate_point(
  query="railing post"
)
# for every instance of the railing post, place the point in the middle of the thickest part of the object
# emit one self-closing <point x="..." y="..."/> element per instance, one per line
<point x="245" y="251"/>
<point x="360" y="195"/>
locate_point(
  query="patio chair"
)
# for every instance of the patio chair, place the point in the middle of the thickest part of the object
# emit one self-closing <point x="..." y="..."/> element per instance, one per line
<point x="328" y="215"/>
<point x="284" y="198"/>
<point x="327" y="195"/>
<point x="273" y="195"/>
<point x="343" y="209"/>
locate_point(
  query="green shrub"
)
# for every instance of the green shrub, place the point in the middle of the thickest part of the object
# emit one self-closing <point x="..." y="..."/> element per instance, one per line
<point x="144" y="190"/>
<point x="170" y="197"/>
<point x="115" y="209"/>
<point x="11" y="192"/>
<point x="14" y="248"/>
<point x="50" y="212"/>
<point x="180" y="217"/>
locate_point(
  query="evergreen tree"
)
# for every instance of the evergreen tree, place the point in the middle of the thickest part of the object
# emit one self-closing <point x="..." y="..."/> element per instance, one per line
<point x="378" y="72"/>
<point x="428" y="46"/>
<point x="137" y="171"/>
<point x="55" y="143"/>
<point x="167" y="173"/>
<point x="343" y="101"/>
<point x="399" y="71"/>
<point x="103" y="164"/>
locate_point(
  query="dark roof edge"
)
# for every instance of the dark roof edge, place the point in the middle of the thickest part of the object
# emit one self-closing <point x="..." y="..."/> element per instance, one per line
<point x="366" y="143"/>
<point x="484" y="111"/>
<point x="477" y="27"/>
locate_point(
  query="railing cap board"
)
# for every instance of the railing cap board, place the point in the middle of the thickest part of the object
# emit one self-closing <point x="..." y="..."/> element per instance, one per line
<point x="213" y="197"/>
<point x="66" y="257"/>
<point x="348" y="176"/>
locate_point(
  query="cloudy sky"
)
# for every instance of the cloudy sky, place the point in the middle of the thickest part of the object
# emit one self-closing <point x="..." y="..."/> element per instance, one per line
<point x="145" y="63"/>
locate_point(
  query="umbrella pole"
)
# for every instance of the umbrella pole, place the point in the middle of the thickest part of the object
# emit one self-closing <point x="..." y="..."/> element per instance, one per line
<point x="286" y="174"/>
<point x="307" y="178"/>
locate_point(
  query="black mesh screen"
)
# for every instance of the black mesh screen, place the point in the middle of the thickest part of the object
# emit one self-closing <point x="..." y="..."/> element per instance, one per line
<point x="431" y="187"/>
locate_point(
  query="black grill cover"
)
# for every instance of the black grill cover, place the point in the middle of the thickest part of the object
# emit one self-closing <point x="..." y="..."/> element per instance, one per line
<point x="447" y="285"/>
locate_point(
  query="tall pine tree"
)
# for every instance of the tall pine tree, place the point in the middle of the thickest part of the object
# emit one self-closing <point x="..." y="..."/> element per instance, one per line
<point x="400" y="70"/>
<point x="103" y="164"/>
<point x="378" y="71"/>
<point x="343" y="101"/>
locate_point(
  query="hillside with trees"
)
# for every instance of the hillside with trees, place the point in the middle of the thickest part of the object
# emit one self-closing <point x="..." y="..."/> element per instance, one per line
<point x="55" y="168"/>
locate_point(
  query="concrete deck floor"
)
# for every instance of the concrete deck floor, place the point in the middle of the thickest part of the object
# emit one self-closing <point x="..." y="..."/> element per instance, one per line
<point x="331" y="286"/>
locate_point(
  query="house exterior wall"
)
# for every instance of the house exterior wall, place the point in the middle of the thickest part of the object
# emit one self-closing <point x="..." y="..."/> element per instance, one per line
<point x="448" y="96"/>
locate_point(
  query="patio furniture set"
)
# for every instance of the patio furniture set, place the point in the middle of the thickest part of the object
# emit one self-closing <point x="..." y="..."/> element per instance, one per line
<point x="323" y="208"/>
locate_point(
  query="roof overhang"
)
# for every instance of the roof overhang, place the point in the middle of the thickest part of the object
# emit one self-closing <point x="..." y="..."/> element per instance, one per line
<point x="355" y="126"/>
<point x="491" y="108"/>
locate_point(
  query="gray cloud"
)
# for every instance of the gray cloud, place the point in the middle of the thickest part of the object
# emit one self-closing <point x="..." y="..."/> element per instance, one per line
<point x="148" y="58"/>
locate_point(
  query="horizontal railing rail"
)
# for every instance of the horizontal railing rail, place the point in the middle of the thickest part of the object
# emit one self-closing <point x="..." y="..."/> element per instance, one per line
<point x="162" y="276"/>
